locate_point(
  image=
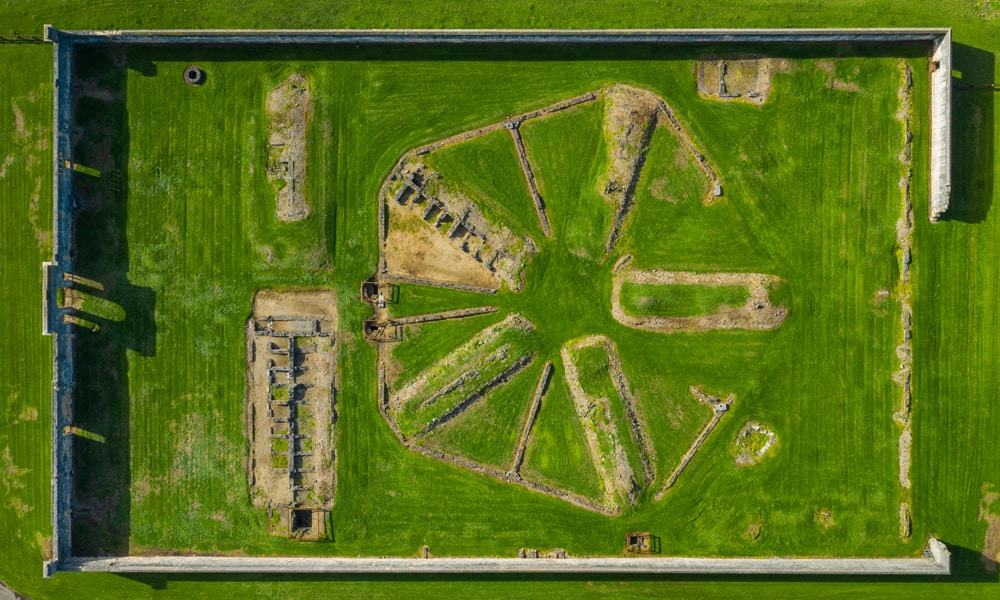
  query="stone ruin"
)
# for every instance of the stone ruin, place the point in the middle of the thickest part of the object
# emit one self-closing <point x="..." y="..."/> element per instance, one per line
<point x="290" y="420"/>
<point x="459" y="220"/>
<point x="745" y="79"/>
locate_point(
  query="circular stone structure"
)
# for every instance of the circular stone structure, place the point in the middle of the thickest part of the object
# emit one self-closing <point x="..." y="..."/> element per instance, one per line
<point x="194" y="75"/>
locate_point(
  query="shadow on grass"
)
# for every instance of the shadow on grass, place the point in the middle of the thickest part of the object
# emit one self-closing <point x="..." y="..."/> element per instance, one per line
<point x="102" y="470"/>
<point x="972" y="136"/>
<point x="518" y="53"/>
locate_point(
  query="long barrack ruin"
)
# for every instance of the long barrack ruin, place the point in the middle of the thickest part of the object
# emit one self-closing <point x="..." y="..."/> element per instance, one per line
<point x="290" y="412"/>
<point x="58" y="274"/>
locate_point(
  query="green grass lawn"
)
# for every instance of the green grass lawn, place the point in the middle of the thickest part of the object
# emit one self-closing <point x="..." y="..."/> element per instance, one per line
<point x="196" y="236"/>
<point x="182" y="258"/>
<point x="486" y="169"/>
<point x="489" y="431"/>
<point x="644" y="300"/>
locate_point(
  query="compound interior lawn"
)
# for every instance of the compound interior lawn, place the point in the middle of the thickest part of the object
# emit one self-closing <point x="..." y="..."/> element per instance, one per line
<point x="201" y="235"/>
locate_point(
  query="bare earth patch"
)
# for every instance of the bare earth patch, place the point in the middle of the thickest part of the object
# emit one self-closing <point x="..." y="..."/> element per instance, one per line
<point x="10" y="479"/>
<point x="29" y="414"/>
<point x="744" y="79"/>
<point x="753" y="531"/>
<point x="413" y="249"/>
<point x="290" y="108"/>
<point x="829" y="67"/>
<point x="991" y="544"/>
<point x="824" y="518"/>
<point x="290" y="417"/>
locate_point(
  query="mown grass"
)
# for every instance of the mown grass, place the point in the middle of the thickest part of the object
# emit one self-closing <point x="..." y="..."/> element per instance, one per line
<point x="557" y="453"/>
<point x="954" y="284"/>
<point x="490" y="430"/>
<point x="487" y="170"/>
<point x="202" y="261"/>
<point x="643" y="300"/>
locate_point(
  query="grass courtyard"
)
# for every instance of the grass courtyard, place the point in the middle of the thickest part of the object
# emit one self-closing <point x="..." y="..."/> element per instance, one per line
<point x="184" y="234"/>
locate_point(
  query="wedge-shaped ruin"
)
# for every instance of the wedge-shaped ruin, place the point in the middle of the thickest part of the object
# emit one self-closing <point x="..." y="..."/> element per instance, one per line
<point x="615" y="435"/>
<point x="435" y="233"/>
<point x="631" y="117"/>
<point x="490" y="359"/>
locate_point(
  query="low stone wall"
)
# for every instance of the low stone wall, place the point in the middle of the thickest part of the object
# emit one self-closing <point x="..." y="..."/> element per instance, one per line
<point x="935" y="561"/>
<point x="940" y="83"/>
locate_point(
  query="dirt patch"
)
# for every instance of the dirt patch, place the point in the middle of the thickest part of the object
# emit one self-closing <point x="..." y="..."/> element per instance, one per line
<point x="753" y="443"/>
<point x="988" y="511"/>
<point x="290" y="108"/>
<point x="44" y="544"/>
<point x="743" y="79"/>
<point x="43" y="232"/>
<point x="757" y="313"/>
<point x="829" y="67"/>
<point x="660" y="189"/>
<point x="28" y="415"/>
<point x="412" y="249"/>
<point x="10" y="479"/>
<point x="753" y="531"/>
<point x="142" y="488"/>
<point x="824" y="518"/>
<point x="290" y="415"/>
<point x="19" y="127"/>
<point x="843" y="86"/>
<point x="905" y="439"/>
<point x="321" y="303"/>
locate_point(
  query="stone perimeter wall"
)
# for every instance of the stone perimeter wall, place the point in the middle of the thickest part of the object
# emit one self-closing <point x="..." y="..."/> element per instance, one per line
<point x="936" y="561"/>
<point x="940" y="79"/>
<point x="63" y="383"/>
<point x="63" y="336"/>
